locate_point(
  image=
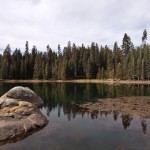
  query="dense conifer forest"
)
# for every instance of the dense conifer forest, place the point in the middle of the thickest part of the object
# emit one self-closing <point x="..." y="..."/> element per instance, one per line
<point x="126" y="62"/>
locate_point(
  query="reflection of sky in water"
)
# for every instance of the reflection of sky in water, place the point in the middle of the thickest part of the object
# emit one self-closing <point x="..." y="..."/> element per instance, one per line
<point x="67" y="131"/>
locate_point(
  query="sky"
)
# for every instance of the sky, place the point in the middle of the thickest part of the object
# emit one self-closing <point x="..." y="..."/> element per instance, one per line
<point x="53" y="22"/>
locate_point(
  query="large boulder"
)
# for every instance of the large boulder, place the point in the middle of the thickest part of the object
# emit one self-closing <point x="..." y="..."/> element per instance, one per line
<point x="19" y="113"/>
<point x="23" y="93"/>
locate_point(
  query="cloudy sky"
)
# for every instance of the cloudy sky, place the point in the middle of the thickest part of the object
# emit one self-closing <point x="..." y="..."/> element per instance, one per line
<point x="54" y="22"/>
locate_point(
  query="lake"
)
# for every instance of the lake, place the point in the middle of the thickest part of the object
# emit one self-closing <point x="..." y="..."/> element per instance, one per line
<point x="70" y="129"/>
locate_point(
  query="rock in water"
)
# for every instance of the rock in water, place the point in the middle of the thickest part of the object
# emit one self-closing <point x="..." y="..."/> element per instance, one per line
<point x="23" y="93"/>
<point x="19" y="113"/>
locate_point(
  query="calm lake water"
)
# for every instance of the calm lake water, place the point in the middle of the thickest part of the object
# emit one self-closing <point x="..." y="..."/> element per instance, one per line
<point x="72" y="130"/>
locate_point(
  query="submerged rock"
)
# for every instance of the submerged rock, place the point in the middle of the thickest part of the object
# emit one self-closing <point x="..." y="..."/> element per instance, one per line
<point x="19" y="113"/>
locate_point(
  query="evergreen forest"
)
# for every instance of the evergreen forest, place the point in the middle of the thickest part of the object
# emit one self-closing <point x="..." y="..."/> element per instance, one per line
<point x="125" y="62"/>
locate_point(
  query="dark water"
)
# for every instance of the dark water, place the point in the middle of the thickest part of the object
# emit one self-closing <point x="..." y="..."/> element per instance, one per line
<point x="72" y="130"/>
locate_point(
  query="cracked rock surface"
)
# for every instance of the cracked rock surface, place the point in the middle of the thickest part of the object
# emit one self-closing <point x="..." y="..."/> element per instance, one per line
<point x="19" y="113"/>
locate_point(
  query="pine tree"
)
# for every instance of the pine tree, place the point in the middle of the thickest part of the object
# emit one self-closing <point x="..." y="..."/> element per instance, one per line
<point x="47" y="71"/>
<point x="117" y="54"/>
<point x="6" y="62"/>
<point x="143" y="70"/>
<point x="38" y="67"/>
<point x="49" y="60"/>
<point x="64" y="70"/>
<point x="147" y="63"/>
<point x="119" y="74"/>
<point x="89" y="70"/>
<point x="26" y="61"/>
<point x="79" y="62"/>
<point x="92" y="60"/>
<point x="110" y="65"/>
<point x="144" y="37"/>
<point x="127" y="45"/>
<point x="75" y="60"/>
<point x="98" y="76"/>
<point x="16" y="63"/>
<point x="32" y="61"/>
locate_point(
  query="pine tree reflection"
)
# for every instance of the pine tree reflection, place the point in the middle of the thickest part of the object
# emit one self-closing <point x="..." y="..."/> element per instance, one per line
<point x="116" y="113"/>
<point x="144" y="126"/>
<point x="61" y="96"/>
<point x="59" y="111"/>
<point x="94" y="114"/>
<point x="126" y="120"/>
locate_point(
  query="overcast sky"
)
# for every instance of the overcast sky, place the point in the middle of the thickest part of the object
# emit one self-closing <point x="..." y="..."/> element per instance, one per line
<point x="53" y="22"/>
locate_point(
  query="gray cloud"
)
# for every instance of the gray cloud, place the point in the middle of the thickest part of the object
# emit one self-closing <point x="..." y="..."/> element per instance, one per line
<point x="36" y="1"/>
<point x="43" y="22"/>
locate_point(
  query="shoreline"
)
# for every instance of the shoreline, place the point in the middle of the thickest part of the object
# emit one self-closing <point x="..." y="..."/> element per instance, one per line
<point x="108" y="81"/>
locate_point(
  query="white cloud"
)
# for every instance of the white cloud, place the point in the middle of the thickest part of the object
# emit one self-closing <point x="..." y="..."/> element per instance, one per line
<point x="43" y="22"/>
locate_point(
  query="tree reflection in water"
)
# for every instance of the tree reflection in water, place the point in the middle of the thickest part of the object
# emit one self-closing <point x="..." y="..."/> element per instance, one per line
<point x="61" y="96"/>
<point x="126" y="121"/>
<point x="144" y="125"/>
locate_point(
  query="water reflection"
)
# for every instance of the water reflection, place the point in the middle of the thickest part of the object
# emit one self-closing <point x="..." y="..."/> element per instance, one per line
<point x="61" y="97"/>
<point x="64" y="94"/>
<point x="19" y="137"/>
<point x="126" y="118"/>
<point x="126" y="121"/>
<point x="144" y="126"/>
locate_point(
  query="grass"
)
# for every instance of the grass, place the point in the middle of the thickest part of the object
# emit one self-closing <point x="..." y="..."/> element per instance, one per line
<point x="108" y="81"/>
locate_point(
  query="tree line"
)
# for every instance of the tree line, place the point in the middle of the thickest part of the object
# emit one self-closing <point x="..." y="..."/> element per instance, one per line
<point x="79" y="62"/>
